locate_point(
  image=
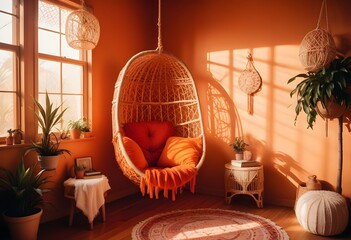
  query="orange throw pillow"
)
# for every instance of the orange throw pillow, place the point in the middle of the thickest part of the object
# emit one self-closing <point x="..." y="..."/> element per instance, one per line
<point x="135" y="153"/>
<point x="181" y="151"/>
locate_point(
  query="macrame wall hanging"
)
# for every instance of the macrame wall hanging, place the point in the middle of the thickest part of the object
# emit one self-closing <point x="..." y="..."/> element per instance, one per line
<point x="250" y="82"/>
<point x="317" y="48"/>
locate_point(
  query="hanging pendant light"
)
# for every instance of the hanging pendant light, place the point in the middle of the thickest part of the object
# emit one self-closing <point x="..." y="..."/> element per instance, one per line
<point x="82" y="29"/>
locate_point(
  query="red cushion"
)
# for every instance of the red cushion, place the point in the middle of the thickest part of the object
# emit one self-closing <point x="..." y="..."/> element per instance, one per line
<point x="150" y="136"/>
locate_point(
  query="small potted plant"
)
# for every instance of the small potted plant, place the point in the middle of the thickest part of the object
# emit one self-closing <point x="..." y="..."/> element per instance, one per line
<point x="239" y="146"/>
<point x="24" y="194"/>
<point x="48" y="149"/>
<point x="17" y="136"/>
<point x="79" y="171"/>
<point x="86" y="128"/>
<point x="75" y="128"/>
<point x="9" y="138"/>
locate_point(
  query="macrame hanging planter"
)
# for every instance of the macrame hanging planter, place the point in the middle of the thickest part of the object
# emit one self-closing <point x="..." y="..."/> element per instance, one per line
<point x="82" y="29"/>
<point x="317" y="48"/>
<point x="250" y="82"/>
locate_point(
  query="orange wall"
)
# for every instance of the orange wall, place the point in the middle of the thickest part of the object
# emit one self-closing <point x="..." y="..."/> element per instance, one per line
<point x="213" y="38"/>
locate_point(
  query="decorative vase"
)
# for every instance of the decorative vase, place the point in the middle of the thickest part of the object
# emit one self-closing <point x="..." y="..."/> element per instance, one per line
<point x="313" y="183"/>
<point x="247" y="155"/>
<point x="24" y="228"/>
<point x="48" y="162"/>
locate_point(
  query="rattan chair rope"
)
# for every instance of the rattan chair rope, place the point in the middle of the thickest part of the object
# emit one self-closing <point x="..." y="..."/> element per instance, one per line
<point x="155" y="86"/>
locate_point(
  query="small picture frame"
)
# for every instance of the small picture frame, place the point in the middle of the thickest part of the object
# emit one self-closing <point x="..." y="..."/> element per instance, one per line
<point x="85" y="162"/>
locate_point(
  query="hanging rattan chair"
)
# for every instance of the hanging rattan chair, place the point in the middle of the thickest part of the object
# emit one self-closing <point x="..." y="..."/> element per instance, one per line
<point x="155" y="87"/>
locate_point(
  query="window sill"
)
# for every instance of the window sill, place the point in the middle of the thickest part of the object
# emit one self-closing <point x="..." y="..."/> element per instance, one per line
<point x="22" y="145"/>
<point x="77" y="140"/>
<point x="25" y="145"/>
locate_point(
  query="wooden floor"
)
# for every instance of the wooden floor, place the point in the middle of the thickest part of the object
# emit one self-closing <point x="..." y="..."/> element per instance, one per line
<point x="124" y="214"/>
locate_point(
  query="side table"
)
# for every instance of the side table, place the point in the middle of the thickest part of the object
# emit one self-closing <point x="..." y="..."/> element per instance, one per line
<point x="244" y="180"/>
<point x="88" y="195"/>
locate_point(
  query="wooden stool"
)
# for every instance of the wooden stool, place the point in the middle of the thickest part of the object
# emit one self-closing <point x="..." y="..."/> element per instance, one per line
<point x="69" y="193"/>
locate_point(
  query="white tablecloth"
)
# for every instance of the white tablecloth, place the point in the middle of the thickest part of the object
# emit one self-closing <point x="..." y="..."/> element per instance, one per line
<point x="89" y="194"/>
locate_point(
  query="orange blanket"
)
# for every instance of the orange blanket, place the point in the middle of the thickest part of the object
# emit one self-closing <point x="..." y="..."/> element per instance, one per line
<point x="157" y="179"/>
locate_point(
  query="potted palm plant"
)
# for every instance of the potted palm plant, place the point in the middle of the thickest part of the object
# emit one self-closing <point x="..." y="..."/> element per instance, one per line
<point x="327" y="93"/>
<point x="48" y="149"/>
<point x="239" y="147"/>
<point x="24" y="193"/>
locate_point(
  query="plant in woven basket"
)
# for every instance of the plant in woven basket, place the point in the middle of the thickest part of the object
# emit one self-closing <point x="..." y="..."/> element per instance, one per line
<point x="325" y="88"/>
<point x="322" y="89"/>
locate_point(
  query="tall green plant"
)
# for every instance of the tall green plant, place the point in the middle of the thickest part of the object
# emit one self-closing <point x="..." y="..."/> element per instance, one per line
<point x="23" y="189"/>
<point x="48" y="117"/>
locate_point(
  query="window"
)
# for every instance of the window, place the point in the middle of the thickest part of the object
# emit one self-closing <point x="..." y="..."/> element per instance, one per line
<point x="59" y="70"/>
<point x="9" y="70"/>
<point x="62" y="70"/>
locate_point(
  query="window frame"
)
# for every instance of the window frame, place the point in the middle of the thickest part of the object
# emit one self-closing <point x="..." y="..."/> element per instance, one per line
<point x="15" y="49"/>
<point x="85" y="60"/>
<point x="27" y="67"/>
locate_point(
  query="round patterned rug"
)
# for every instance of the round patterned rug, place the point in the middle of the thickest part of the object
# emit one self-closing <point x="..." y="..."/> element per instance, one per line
<point x="207" y="224"/>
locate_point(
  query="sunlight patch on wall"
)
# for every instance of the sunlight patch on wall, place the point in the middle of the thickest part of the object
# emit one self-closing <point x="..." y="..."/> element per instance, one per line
<point x="272" y="121"/>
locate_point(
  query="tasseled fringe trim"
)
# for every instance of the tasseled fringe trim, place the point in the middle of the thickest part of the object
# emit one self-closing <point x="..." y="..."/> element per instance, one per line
<point x="151" y="190"/>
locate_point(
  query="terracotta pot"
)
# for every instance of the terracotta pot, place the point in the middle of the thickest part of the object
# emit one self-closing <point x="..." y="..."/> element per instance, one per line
<point x="75" y="133"/>
<point x="332" y="110"/>
<point x="79" y="174"/>
<point x="9" y="140"/>
<point x="17" y="138"/>
<point x="25" y="228"/>
<point x="48" y="162"/>
<point x="87" y="134"/>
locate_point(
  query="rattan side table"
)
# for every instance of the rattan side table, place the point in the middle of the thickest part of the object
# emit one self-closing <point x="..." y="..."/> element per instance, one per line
<point x="244" y="180"/>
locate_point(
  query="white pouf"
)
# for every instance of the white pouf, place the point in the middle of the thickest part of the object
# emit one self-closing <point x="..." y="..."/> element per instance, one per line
<point x="322" y="212"/>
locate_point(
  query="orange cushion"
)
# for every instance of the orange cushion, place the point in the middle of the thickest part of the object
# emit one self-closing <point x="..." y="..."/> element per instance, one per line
<point x="135" y="153"/>
<point x="150" y="136"/>
<point x="181" y="151"/>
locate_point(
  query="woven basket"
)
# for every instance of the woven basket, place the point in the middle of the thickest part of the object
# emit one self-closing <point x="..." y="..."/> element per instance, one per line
<point x="317" y="50"/>
<point x="154" y="86"/>
<point x="82" y="30"/>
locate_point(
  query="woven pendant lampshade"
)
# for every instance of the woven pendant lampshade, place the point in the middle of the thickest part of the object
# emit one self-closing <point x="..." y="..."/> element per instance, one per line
<point x="317" y="48"/>
<point x="82" y="30"/>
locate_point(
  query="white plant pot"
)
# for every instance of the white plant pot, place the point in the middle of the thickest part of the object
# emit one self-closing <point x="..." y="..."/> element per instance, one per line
<point x="48" y="162"/>
<point x="239" y="156"/>
<point x="23" y="228"/>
